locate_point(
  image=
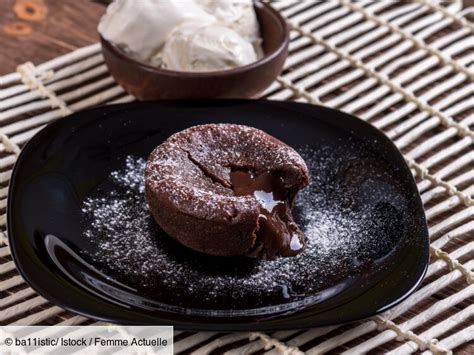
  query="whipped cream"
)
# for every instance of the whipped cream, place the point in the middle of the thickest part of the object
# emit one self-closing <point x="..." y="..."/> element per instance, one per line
<point x="238" y="15"/>
<point x="185" y="35"/>
<point x="194" y="46"/>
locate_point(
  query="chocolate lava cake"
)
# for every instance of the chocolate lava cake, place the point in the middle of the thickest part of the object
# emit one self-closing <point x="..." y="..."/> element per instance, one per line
<point x="227" y="190"/>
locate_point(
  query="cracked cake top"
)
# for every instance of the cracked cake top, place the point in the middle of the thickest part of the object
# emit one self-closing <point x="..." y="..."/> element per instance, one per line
<point x="197" y="162"/>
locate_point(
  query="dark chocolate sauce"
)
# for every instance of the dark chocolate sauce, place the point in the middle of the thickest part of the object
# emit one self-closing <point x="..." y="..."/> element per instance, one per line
<point x="277" y="233"/>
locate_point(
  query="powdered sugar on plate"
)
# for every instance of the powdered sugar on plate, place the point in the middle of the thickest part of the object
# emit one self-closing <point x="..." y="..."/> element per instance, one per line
<point x="344" y="225"/>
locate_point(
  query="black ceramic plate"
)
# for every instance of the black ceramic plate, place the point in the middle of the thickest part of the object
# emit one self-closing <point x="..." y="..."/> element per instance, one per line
<point x="81" y="236"/>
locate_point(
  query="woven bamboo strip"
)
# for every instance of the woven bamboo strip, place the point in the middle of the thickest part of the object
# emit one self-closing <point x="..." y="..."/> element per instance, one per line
<point x="456" y="339"/>
<point x="371" y="325"/>
<point x="15" y="297"/>
<point x="37" y="105"/>
<point x="76" y="55"/>
<point x="31" y="122"/>
<point x="335" y="25"/>
<point x="11" y="282"/>
<point x="375" y="95"/>
<point x="457" y="232"/>
<point x="441" y="155"/>
<point x="22" y="307"/>
<point x="60" y="73"/>
<point x="438" y="181"/>
<point x="219" y="342"/>
<point x="7" y="267"/>
<point x="259" y="344"/>
<point x="343" y="36"/>
<point x="22" y="138"/>
<point x="303" y="338"/>
<point x="448" y="204"/>
<point x="300" y="56"/>
<point x="426" y="127"/>
<point x="289" y="9"/>
<point x="55" y="86"/>
<point x="386" y="103"/>
<point x="5" y="251"/>
<point x="122" y="100"/>
<point x="368" y="83"/>
<point x="380" y="105"/>
<point x="390" y="68"/>
<point x="416" y="321"/>
<point x="463" y="215"/>
<point x="3" y="222"/>
<point x="250" y="348"/>
<point x="327" y="19"/>
<point x="192" y="340"/>
<point x="391" y="100"/>
<point x="436" y="330"/>
<point x="28" y="77"/>
<point x="36" y="318"/>
<point x="342" y="338"/>
<point x="446" y="60"/>
<point x="279" y="346"/>
<point x="450" y="168"/>
<point x="437" y="191"/>
<point x="362" y="42"/>
<point x="447" y="13"/>
<point x="438" y="265"/>
<point x="404" y="335"/>
<point x="4" y="177"/>
<point x="53" y="115"/>
<point x="314" y="333"/>
<point x="383" y="79"/>
<point x="74" y="320"/>
<point x="326" y="14"/>
<point x="428" y="289"/>
<point x="310" y="334"/>
<point x="445" y="103"/>
<point x="8" y="145"/>
<point x="464" y="160"/>
<point x="453" y="264"/>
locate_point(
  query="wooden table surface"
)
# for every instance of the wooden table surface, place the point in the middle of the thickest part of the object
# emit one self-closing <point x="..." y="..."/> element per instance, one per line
<point x="39" y="30"/>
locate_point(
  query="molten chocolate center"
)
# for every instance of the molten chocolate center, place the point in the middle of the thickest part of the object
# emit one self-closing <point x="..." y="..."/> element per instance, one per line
<point x="277" y="233"/>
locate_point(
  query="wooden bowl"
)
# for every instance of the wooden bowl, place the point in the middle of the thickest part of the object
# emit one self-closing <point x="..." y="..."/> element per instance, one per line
<point x="147" y="82"/>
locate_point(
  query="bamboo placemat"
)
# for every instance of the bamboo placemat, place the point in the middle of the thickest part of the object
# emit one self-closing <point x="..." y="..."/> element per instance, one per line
<point x="405" y="67"/>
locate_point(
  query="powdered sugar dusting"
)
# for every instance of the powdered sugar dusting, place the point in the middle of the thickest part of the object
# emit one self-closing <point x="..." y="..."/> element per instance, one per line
<point x="340" y="240"/>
